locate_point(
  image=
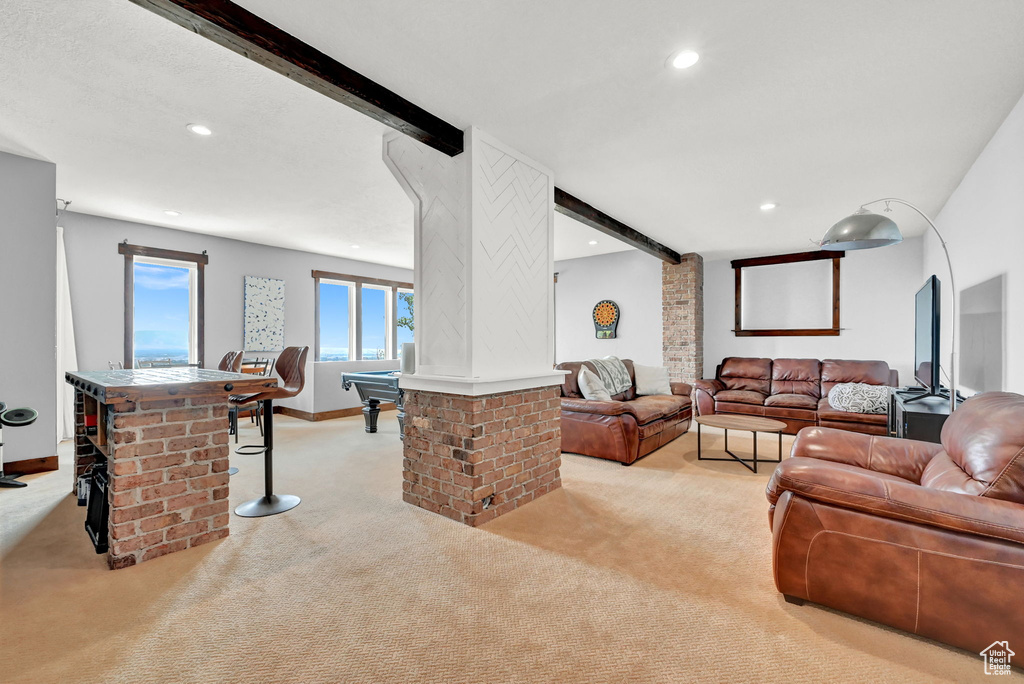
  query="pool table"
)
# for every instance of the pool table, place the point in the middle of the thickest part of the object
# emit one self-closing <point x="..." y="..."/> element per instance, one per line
<point x="375" y="387"/>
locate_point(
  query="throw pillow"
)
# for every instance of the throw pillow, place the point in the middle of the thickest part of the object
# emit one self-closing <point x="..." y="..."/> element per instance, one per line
<point x="857" y="397"/>
<point x="591" y="386"/>
<point x="652" y="380"/>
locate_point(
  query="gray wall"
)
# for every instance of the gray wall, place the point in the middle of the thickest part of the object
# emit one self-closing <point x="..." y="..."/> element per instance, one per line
<point x="876" y="310"/>
<point x="96" y="272"/>
<point x="630" y="279"/>
<point x="983" y="225"/>
<point x="28" y="279"/>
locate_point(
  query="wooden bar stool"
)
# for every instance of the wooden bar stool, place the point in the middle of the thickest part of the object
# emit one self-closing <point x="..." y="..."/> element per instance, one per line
<point x="291" y="366"/>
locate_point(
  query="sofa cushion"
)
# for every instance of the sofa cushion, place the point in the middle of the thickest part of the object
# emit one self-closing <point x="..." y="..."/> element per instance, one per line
<point x="746" y="374"/>
<point x="857" y="397"/>
<point x="592" y="387"/>
<point x="801" y="401"/>
<point x="741" y="397"/>
<point x="652" y="380"/>
<point x="834" y="372"/>
<point x="797" y="376"/>
<point x="571" y="387"/>
<point x="745" y="409"/>
<point x="648" y="409"/>
<point x="827" y="413"/>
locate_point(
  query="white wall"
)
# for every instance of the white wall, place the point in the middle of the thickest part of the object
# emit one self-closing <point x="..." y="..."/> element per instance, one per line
<point x="28" y="288"/>
<point x="96" y="272"/>
<point x="630" y="279"/>
<point x="983" y="224"/>
<point x="876" y="308"/>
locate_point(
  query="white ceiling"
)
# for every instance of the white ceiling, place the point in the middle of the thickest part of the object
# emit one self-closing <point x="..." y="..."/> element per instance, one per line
<point x="817" y="106"/>
<point x="105" y="90"/>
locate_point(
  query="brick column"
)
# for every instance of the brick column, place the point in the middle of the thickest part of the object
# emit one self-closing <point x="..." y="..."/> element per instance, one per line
<point x="473" y="458"/>
<point x="483" y="422"/>
<point x="168" y="477"/>
<point x="682" y="298"/>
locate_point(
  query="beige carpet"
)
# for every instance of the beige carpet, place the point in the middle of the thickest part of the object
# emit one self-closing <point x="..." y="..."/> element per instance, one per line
<point x="660" y="572"/>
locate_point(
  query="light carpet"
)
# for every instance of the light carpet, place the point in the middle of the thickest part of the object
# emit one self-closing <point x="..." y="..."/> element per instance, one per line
<point x="659" y="572"/>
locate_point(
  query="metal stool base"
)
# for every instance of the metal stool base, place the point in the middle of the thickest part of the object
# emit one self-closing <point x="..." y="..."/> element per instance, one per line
<point x="268" y="505"/>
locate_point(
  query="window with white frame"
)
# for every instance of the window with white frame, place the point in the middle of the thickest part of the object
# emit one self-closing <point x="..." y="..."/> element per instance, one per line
<point x="360" y="319"/>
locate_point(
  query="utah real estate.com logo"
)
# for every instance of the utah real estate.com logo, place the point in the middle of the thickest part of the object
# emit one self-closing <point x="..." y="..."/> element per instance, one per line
<point x="997" y="658"/>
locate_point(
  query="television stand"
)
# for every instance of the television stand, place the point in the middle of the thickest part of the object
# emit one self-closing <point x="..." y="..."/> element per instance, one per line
<point x="917" y="413"/>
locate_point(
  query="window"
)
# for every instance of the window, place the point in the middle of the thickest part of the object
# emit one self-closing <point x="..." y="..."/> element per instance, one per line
<point x="163" y="307"/>
<point x="356" y="317"/>
<point x="164" y="315"/>
<point x="376" y="314"/>
<point x="337" y="301"/>
<point x="403" y="320"/>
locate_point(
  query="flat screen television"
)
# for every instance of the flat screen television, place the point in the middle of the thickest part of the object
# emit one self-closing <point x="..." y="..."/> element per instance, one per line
<point x="926" y="336"/>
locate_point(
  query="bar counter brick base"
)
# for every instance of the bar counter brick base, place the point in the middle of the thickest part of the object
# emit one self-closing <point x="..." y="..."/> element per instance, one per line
<point x="472" y="459"/>
<point x="168" y="477"/>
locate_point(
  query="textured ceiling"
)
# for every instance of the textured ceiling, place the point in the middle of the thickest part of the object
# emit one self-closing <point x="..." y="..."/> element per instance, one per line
<point x="817" y="106"/>
<point x="105" y="89"/>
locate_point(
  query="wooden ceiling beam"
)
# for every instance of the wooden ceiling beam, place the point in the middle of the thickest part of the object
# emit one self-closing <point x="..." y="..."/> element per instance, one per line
<point x="245" y="33"/>
<point x="576" y="208"/>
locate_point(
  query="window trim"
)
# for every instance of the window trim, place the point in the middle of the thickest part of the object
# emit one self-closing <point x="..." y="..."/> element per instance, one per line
<point x="356" y="310"/>
<point x="200" y="261"/>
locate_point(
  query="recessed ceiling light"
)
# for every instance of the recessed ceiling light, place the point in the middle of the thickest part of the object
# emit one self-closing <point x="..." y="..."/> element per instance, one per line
<point x="768" y="206"/>
<point x="171" y="212"/>
<point x="592" y="242"/>
<point x="199" y="129"/>
<point x="684" y="59"/>
<point x="354" y="246"/>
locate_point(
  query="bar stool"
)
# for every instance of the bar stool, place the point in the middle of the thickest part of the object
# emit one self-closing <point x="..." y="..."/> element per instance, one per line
<point x="291" y="366"/>
<point x="232" y="362"/>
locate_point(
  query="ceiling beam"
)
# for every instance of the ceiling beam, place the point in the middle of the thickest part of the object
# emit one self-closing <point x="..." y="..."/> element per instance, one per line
<point x="243" y="32"/>
<point x="576" y="208"/>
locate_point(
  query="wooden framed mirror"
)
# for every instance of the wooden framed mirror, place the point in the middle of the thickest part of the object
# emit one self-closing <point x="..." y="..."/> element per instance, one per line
<point x="788" y="295"/>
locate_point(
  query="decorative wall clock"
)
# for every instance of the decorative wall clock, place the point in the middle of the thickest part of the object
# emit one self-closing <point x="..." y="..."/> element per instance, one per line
<point x="606" y="319"/>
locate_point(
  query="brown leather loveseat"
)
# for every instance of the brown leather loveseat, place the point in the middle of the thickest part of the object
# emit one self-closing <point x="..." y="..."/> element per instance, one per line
<point x="794" y="391"/>
<point x="625" y="428"/>
<point x="928" y="538"/>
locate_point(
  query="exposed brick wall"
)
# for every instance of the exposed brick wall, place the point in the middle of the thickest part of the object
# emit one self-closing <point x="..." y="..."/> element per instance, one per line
<point x="682" y="298"/>
<point x="475" y="458"/>
<point x="168" y="477"/>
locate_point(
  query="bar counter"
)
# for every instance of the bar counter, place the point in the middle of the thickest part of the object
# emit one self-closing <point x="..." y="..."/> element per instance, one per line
<point x="162" y="434"/>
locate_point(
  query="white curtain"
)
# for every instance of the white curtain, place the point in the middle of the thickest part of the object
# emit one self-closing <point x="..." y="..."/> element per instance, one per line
<point x="67" y="356"/>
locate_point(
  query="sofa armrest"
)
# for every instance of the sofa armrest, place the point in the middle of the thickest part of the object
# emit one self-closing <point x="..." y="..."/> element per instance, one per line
<point x="601" y="408"/>
<point x="710" y="386"/>
<point x="892" y="497"/>
<point x="683" y="389"/>
<point x="905" y="458"/>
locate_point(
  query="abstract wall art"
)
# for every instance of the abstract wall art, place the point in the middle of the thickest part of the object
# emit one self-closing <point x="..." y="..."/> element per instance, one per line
<point x="264" y="314"/>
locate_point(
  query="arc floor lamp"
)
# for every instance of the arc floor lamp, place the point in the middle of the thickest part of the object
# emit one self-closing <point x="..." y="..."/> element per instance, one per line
<point x="865" y="229"/>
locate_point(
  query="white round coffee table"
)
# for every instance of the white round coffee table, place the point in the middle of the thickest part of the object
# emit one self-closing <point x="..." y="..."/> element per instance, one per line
<point x="753" y="424"/>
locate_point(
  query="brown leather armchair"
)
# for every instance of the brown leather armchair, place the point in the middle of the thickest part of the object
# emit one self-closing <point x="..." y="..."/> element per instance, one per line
<point x="626" y="428"/>
<point x="928" y="538"/>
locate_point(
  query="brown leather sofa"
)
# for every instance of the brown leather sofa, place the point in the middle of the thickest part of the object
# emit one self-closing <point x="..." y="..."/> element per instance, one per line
<point x="626" y="428"/>
<point x="928" y="538"/>
<point x="794" y="391"/>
